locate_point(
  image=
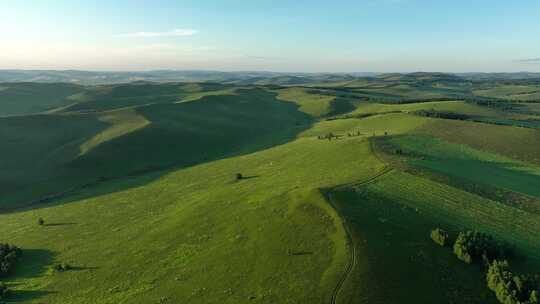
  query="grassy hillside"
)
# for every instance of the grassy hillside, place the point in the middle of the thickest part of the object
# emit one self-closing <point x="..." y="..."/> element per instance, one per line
<point x="327" y="211"/>
<point x="211" y="239"/>
<point x="55" y="153"/>
<point x="312" y="104"/>
<point x="27" y="98"/>
<point x="514" y="142"/>
<point x="462" y="162"/>
<point x="103" y="98"/>
<point x="443" y="106"/>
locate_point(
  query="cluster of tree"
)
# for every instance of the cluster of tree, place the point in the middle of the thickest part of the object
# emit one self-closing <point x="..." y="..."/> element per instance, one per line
<point x="477" y="247"/>
<point x="510" y="288"/>
<point x="474" y="246"/>
<point x="8" y="257"/>
<point x="441" y="114"/>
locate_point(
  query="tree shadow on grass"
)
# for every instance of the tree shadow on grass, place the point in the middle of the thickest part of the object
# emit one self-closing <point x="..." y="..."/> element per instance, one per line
<point x="32" y="263"/>
<point x="59" y="224"/>
<point x="82" y="268"/>
<point x="23" y="296"/>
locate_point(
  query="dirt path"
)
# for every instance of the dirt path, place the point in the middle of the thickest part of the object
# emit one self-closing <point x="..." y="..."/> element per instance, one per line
<point x="350" y="240"/>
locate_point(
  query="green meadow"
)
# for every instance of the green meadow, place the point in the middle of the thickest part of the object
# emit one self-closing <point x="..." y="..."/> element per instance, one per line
<point x="277" y="191"/>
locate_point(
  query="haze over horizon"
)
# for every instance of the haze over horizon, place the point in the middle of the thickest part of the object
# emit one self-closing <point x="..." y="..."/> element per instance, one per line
<point x="231" y="35"/>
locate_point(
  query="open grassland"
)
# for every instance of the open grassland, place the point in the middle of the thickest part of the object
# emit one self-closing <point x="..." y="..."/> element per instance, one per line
<point x="462" y="162"/>
<point x="162" y="218"/>
<point x="443" y="106"/>
<point x="511" y="92"/>
<point x="210" y="239"/>
<point x="513" y="142"/>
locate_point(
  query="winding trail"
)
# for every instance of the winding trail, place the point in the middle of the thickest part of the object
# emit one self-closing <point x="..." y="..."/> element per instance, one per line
<point x="350" y="240"/>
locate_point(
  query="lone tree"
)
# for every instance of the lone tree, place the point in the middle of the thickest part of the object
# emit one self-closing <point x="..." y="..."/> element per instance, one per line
<point x="239" y="176"/>
<point x="41" y="221"/>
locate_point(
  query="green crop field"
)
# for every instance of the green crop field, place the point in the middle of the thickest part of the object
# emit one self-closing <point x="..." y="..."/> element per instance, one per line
<point x="281" y="189"/>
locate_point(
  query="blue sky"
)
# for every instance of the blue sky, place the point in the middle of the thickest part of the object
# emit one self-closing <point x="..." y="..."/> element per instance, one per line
<point x="278" y="35"/>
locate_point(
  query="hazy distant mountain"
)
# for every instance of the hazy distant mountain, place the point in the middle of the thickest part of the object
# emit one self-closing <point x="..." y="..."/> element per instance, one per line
<point x="245" y="77"/>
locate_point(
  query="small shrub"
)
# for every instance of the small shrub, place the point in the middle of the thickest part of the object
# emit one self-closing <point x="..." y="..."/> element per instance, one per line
<point x="41" y="222"/>
<point x="62" y="267"/>
<point x="239" y="176"/>
<point x="439" y="236"/>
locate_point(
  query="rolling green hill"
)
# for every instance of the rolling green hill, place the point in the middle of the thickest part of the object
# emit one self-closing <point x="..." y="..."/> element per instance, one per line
<point x="139" y="190"/>
<point x="51" y="154"/>
<point x="28" y="98"/>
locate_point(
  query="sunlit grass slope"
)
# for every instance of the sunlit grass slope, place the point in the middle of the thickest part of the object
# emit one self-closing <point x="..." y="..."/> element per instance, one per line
<point x="514" y="142"/>
<point x="197" y="235"/>
<point x="443" y="106"/>
<point x="312" y="104"/>
<point x="109" y="97"/>
<point x="465" y="163"/>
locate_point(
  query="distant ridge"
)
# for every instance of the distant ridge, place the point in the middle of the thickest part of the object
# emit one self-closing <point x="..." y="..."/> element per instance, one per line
<point x="241" y="77"/>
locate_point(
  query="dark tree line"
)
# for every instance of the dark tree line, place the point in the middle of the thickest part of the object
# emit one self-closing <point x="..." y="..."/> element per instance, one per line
<point x="477" y="247"/>
<point x="511" y="288"/>
<point x="441" y="114"/>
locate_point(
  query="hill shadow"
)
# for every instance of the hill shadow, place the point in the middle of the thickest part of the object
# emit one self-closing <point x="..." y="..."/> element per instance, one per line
<point x="179" y="136"/>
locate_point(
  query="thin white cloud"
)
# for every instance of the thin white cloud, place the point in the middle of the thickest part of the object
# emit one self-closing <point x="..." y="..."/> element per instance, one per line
<point x="173" y="33"/>
<point x="530" y="60"/>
